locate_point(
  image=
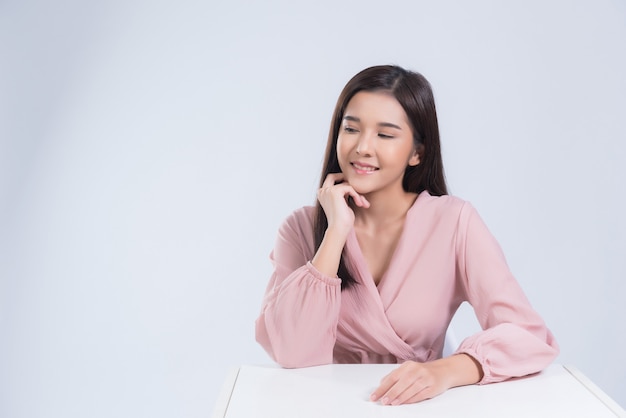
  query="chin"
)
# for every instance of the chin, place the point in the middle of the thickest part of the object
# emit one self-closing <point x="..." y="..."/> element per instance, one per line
<point x="361" y="190"/>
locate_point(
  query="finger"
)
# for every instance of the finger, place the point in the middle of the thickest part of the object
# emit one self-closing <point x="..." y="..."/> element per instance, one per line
<point x="385" y="384"/>
<point x="362" y="202"/>
<point x="379" y="392"/>
<point x="415" y="392"/>
<point x="348" y="191"/>
<point x="421" y="395"/>
<point x="332" y="179"/>
<point x="408" y="381"/>
<point x="358" y="199"/>
<point x="344" y="190"/>
<point x="398" y="393"/>
<point x="395" y="383"/>
<point x="341" y="189"/>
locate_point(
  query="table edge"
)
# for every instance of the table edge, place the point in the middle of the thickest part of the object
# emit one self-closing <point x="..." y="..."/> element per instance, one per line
<point x="595" y="390"/>
<point x="223" y="399"/>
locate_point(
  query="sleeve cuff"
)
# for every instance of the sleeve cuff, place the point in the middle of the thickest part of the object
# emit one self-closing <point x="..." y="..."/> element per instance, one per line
<point x="332" y="281"/>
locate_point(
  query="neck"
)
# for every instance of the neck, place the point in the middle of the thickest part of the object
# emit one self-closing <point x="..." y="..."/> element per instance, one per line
<point x="384" y="209"/>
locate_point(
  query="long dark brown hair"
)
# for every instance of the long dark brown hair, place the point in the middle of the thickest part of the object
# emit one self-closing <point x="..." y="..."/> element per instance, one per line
<point x="415" y="95"/>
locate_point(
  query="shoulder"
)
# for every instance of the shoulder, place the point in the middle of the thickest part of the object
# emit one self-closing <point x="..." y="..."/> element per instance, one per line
<point x="442" y="206"/>
<point x="446" y="216"/>
<point x="299" y="222"/>
<point x="446" y="213"/>
<point x="303" y="215"/>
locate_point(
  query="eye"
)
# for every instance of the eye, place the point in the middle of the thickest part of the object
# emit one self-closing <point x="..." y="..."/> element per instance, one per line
<point x="349" y="129"/>
<point x="385" y="136"/>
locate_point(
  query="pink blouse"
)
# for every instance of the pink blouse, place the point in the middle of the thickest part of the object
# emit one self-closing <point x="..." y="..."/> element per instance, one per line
<point x="445" y="255"/>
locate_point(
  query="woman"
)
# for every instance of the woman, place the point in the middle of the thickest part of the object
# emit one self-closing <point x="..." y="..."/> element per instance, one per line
<point x="375" y="272"/>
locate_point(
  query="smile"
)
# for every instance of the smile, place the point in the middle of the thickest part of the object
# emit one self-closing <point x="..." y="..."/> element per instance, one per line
<point x="363" y="169"/>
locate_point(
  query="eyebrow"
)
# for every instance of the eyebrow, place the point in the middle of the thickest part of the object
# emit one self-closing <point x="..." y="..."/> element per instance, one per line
<point x="383" y="124"/>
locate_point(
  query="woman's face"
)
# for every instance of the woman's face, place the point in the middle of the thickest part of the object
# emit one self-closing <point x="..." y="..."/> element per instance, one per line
<point x="375" y="143"/>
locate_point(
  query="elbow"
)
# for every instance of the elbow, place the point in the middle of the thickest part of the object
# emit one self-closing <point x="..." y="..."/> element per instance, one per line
<point x="553" y="344"/>
<point x="288" y="356"/>
<point x="292" y="356"/>
<point x="293" y="350"/>
<point x="291" y="361"/>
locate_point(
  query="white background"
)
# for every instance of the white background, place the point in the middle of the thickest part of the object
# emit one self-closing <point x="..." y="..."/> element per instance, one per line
<point x="150" y="149"/>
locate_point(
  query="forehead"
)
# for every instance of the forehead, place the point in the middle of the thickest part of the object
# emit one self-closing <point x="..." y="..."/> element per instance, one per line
<point x="376" y="107"/>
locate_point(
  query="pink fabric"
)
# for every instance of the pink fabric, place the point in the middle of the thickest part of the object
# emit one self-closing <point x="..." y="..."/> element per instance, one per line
<point x="446" y="255"/>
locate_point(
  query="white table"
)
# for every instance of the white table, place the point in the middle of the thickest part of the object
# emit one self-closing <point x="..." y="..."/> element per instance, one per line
<point x="343" y="391"/>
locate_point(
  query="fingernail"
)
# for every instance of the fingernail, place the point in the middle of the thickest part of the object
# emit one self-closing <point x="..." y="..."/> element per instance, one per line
<point x="385" y="401"/>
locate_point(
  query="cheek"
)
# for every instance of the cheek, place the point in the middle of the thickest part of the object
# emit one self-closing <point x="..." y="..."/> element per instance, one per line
<point x="343" y="147"/>
<point x="343" y="152"/>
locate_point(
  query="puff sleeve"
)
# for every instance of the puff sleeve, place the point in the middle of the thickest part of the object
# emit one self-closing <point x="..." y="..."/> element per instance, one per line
<point x="515" y="340"/>
<point x="297" y="325"/>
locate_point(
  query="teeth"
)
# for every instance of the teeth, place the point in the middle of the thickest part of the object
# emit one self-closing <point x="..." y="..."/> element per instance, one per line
<point x="360" y="167"/>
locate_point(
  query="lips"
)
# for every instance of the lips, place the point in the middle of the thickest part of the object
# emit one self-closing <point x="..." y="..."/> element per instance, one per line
<point x="363" y="167"/>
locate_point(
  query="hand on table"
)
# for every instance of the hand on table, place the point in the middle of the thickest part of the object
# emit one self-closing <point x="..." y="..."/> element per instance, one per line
<point x="414" y="382"/>
<point x="411" y="382"/>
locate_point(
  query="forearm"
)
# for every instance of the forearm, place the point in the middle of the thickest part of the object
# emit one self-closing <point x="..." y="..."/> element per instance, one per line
<point x="328" y="255"/>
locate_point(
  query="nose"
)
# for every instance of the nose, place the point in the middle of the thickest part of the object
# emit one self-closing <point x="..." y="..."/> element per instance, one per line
<point x="364" y="146"/>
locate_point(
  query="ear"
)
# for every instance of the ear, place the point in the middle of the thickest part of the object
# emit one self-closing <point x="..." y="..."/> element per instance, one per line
<point x="416" y="158"/>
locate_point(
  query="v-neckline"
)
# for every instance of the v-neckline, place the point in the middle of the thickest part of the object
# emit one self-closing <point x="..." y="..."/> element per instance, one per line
<point x="357" y="252"/>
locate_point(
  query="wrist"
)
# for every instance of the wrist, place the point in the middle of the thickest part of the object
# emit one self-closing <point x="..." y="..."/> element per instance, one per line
<point x="461" y="369"/>
<point x="328" y="255"/>
<point x="338" y="231"/>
